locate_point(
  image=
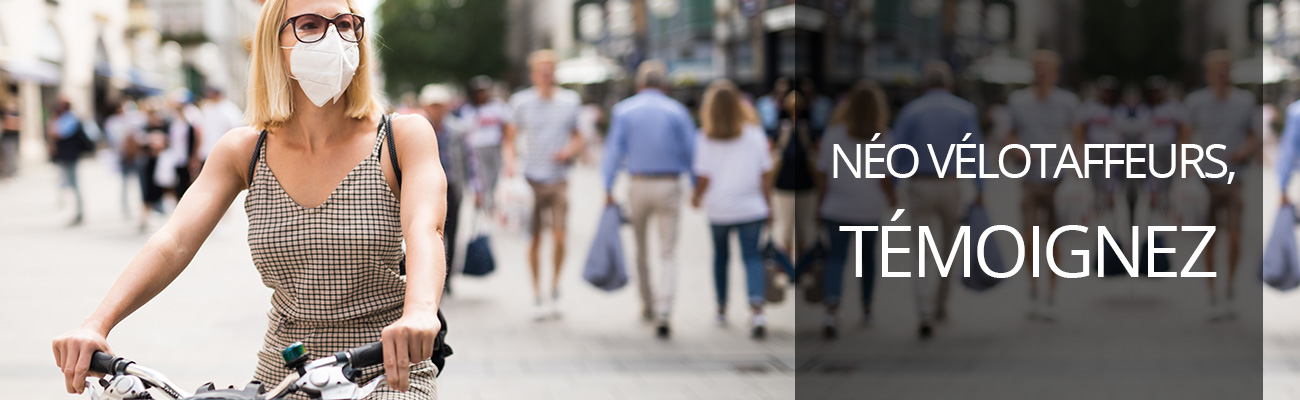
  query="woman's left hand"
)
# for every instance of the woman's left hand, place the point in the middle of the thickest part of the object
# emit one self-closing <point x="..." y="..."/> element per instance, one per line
<point x="408" y="340"/>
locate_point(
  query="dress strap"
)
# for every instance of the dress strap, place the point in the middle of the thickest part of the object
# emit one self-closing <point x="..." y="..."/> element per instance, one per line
<point x="257" y="154"/>
<point x="387" y="126"/>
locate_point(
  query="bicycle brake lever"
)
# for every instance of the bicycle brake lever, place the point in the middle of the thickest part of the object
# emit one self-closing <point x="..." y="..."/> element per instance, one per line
<point x="364" y="391"/>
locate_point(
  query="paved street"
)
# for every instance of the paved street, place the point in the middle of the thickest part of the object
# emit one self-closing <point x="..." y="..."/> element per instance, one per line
<point x="207" y="325"/>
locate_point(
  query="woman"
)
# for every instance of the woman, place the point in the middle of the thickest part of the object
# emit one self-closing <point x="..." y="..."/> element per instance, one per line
<point x="326" y="213"/>
<point x="859" y="119"/>
<point x="732" y="164"/>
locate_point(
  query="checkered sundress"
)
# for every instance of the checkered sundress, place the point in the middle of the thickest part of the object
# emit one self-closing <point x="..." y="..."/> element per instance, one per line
<point x="334" y="268"/>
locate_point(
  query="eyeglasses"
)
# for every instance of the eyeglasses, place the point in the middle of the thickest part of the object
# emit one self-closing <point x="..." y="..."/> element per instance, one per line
<point x="311" y="28"/>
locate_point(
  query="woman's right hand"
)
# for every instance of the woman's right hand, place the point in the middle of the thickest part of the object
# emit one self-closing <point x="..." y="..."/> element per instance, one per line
<point x="72" y="352"/>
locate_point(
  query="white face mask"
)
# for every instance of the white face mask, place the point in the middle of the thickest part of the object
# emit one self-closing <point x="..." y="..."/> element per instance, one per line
<point x="324" y="68"/>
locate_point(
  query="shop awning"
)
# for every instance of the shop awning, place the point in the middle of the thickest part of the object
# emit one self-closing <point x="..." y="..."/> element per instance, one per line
<point x="587" y="70"/>
<point x="30" y="70"/>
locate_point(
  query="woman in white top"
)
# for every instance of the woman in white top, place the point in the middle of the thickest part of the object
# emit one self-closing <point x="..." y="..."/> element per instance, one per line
<point x="732" y="164"/>
<point x="859" y="120"/>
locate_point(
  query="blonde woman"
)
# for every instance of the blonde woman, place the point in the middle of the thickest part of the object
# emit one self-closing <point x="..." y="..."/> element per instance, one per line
<point x="732" y="164"/>
<point x="861" y="118"/>
<point x="328" y="205"/>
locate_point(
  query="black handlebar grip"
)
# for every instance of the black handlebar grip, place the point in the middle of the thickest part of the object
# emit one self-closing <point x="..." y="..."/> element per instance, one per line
<point x="367" y="355"/>
<point x="102" y="362"/>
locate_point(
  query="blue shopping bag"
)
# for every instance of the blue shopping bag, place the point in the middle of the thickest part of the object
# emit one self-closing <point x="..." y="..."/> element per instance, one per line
<point x="978" y="220"/>
<point x="606" y="266"/>
<point x="1281" y="267"/>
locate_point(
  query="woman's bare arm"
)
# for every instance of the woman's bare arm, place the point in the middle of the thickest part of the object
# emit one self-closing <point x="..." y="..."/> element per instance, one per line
<point x="424" y="208"/>
<point x="164" y="256"/>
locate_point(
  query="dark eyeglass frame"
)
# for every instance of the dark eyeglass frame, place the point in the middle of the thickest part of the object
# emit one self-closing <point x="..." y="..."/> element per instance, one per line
<point x="359" y="28"/>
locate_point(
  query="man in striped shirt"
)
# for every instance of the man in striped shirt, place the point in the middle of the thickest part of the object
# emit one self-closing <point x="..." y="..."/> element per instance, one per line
<point x="546" y="117"/>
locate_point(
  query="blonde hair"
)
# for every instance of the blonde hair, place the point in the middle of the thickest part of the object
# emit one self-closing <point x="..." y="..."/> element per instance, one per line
<point x="270" y="89"/>
<point x="723" y="114"/>
<point x="541" y="56"/>
<point x="1046" y="57"/>
<point x="863" y="111"/>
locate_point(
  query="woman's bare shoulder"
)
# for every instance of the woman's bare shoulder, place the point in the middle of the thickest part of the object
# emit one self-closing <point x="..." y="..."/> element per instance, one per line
<point x="413" y="129"/>
<point x="234" y="151"/>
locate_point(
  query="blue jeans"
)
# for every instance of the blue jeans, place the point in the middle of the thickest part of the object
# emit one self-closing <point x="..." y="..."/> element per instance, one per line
<point x="833" y="280"/>
<point x="755" y="275"/>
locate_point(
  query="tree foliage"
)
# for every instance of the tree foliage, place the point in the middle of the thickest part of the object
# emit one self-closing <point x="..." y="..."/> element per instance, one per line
<point x="424" y="41"/>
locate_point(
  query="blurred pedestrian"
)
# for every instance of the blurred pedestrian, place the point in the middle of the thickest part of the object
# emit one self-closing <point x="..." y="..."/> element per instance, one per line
<point x="153" y="142"/>
<point x="488" y="120"/>
<point x="769" y="106"/>
<point x="183" y="138"/>
<point x="1097" y="121"/>
<point x="218" y="116"/>
<point x="69" y="139"/>
<point x="820" y="106"/>
<point x="455" y="155"/>
<point x="122" y="131"/>
<point x="1225" y="115"/>
<point x="590" y="118"/>
<point x="732" y="168"/>
<point x="9" y="127"/>
<point x="546" y="115"/>
<point x="862" y="118"/>
<point x="940" y="119"/>
<point x="654" y="137"/>
<point x="794" y="208"/>
<point x="1042" y="114"/>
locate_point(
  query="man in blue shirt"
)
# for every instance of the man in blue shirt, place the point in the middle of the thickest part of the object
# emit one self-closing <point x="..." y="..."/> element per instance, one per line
<point x="663" y="135"/>
<point x="941" y="119"/>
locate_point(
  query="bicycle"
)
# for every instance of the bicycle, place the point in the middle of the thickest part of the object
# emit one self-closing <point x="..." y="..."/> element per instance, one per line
<point x="326" y="378"/>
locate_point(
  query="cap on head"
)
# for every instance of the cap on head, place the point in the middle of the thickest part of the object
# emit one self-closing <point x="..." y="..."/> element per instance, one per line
<point x="481" y="82"/>
<point x="435" y="94"/>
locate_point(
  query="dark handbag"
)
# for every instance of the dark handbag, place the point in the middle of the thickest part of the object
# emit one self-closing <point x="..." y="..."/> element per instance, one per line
<point x="776" y="264"/>
<point x="979" y="280"/>
<point x="478" y="257"/>
<point x="1162" y="263"/>
<point x="812" y="264"/>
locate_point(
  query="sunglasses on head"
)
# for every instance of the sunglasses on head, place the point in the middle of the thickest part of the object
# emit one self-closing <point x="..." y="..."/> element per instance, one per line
<point x="311" y="28"/>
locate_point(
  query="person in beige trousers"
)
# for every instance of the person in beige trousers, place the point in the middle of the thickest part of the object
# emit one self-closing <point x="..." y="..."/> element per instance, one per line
<point x="653" y="137"/>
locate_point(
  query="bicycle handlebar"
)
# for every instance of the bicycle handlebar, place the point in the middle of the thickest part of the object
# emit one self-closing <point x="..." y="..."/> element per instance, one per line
<point x="105" y="363"/>
<point x="366" y="355"/>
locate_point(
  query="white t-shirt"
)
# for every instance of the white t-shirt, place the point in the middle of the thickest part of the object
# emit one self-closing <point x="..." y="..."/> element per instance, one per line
<point x="849" y="199"/>
<point x="1100" y="123"/>
<point x="1043" y="121"/>
<point x="486" y="122"/>
<point x="545" y="127"/>
<point x="1221" y="121"/>
<point x="218" y="118"/>
<point x="735" y="170"/>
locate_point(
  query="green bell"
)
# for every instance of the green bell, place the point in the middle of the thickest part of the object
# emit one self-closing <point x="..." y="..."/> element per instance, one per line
<point x="294" y="353"/>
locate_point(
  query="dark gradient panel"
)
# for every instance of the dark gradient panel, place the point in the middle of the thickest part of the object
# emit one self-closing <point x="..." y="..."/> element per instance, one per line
<point x="1170" y="85"/>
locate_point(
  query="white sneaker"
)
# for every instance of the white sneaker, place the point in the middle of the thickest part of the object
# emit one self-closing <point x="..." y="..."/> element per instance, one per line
<point x="539" y="311"/>
<point x="721" y="320"/>
<point x="1048" y="312"/>
<point x="1228" y="311"/>
<point x="554" y="311"/>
